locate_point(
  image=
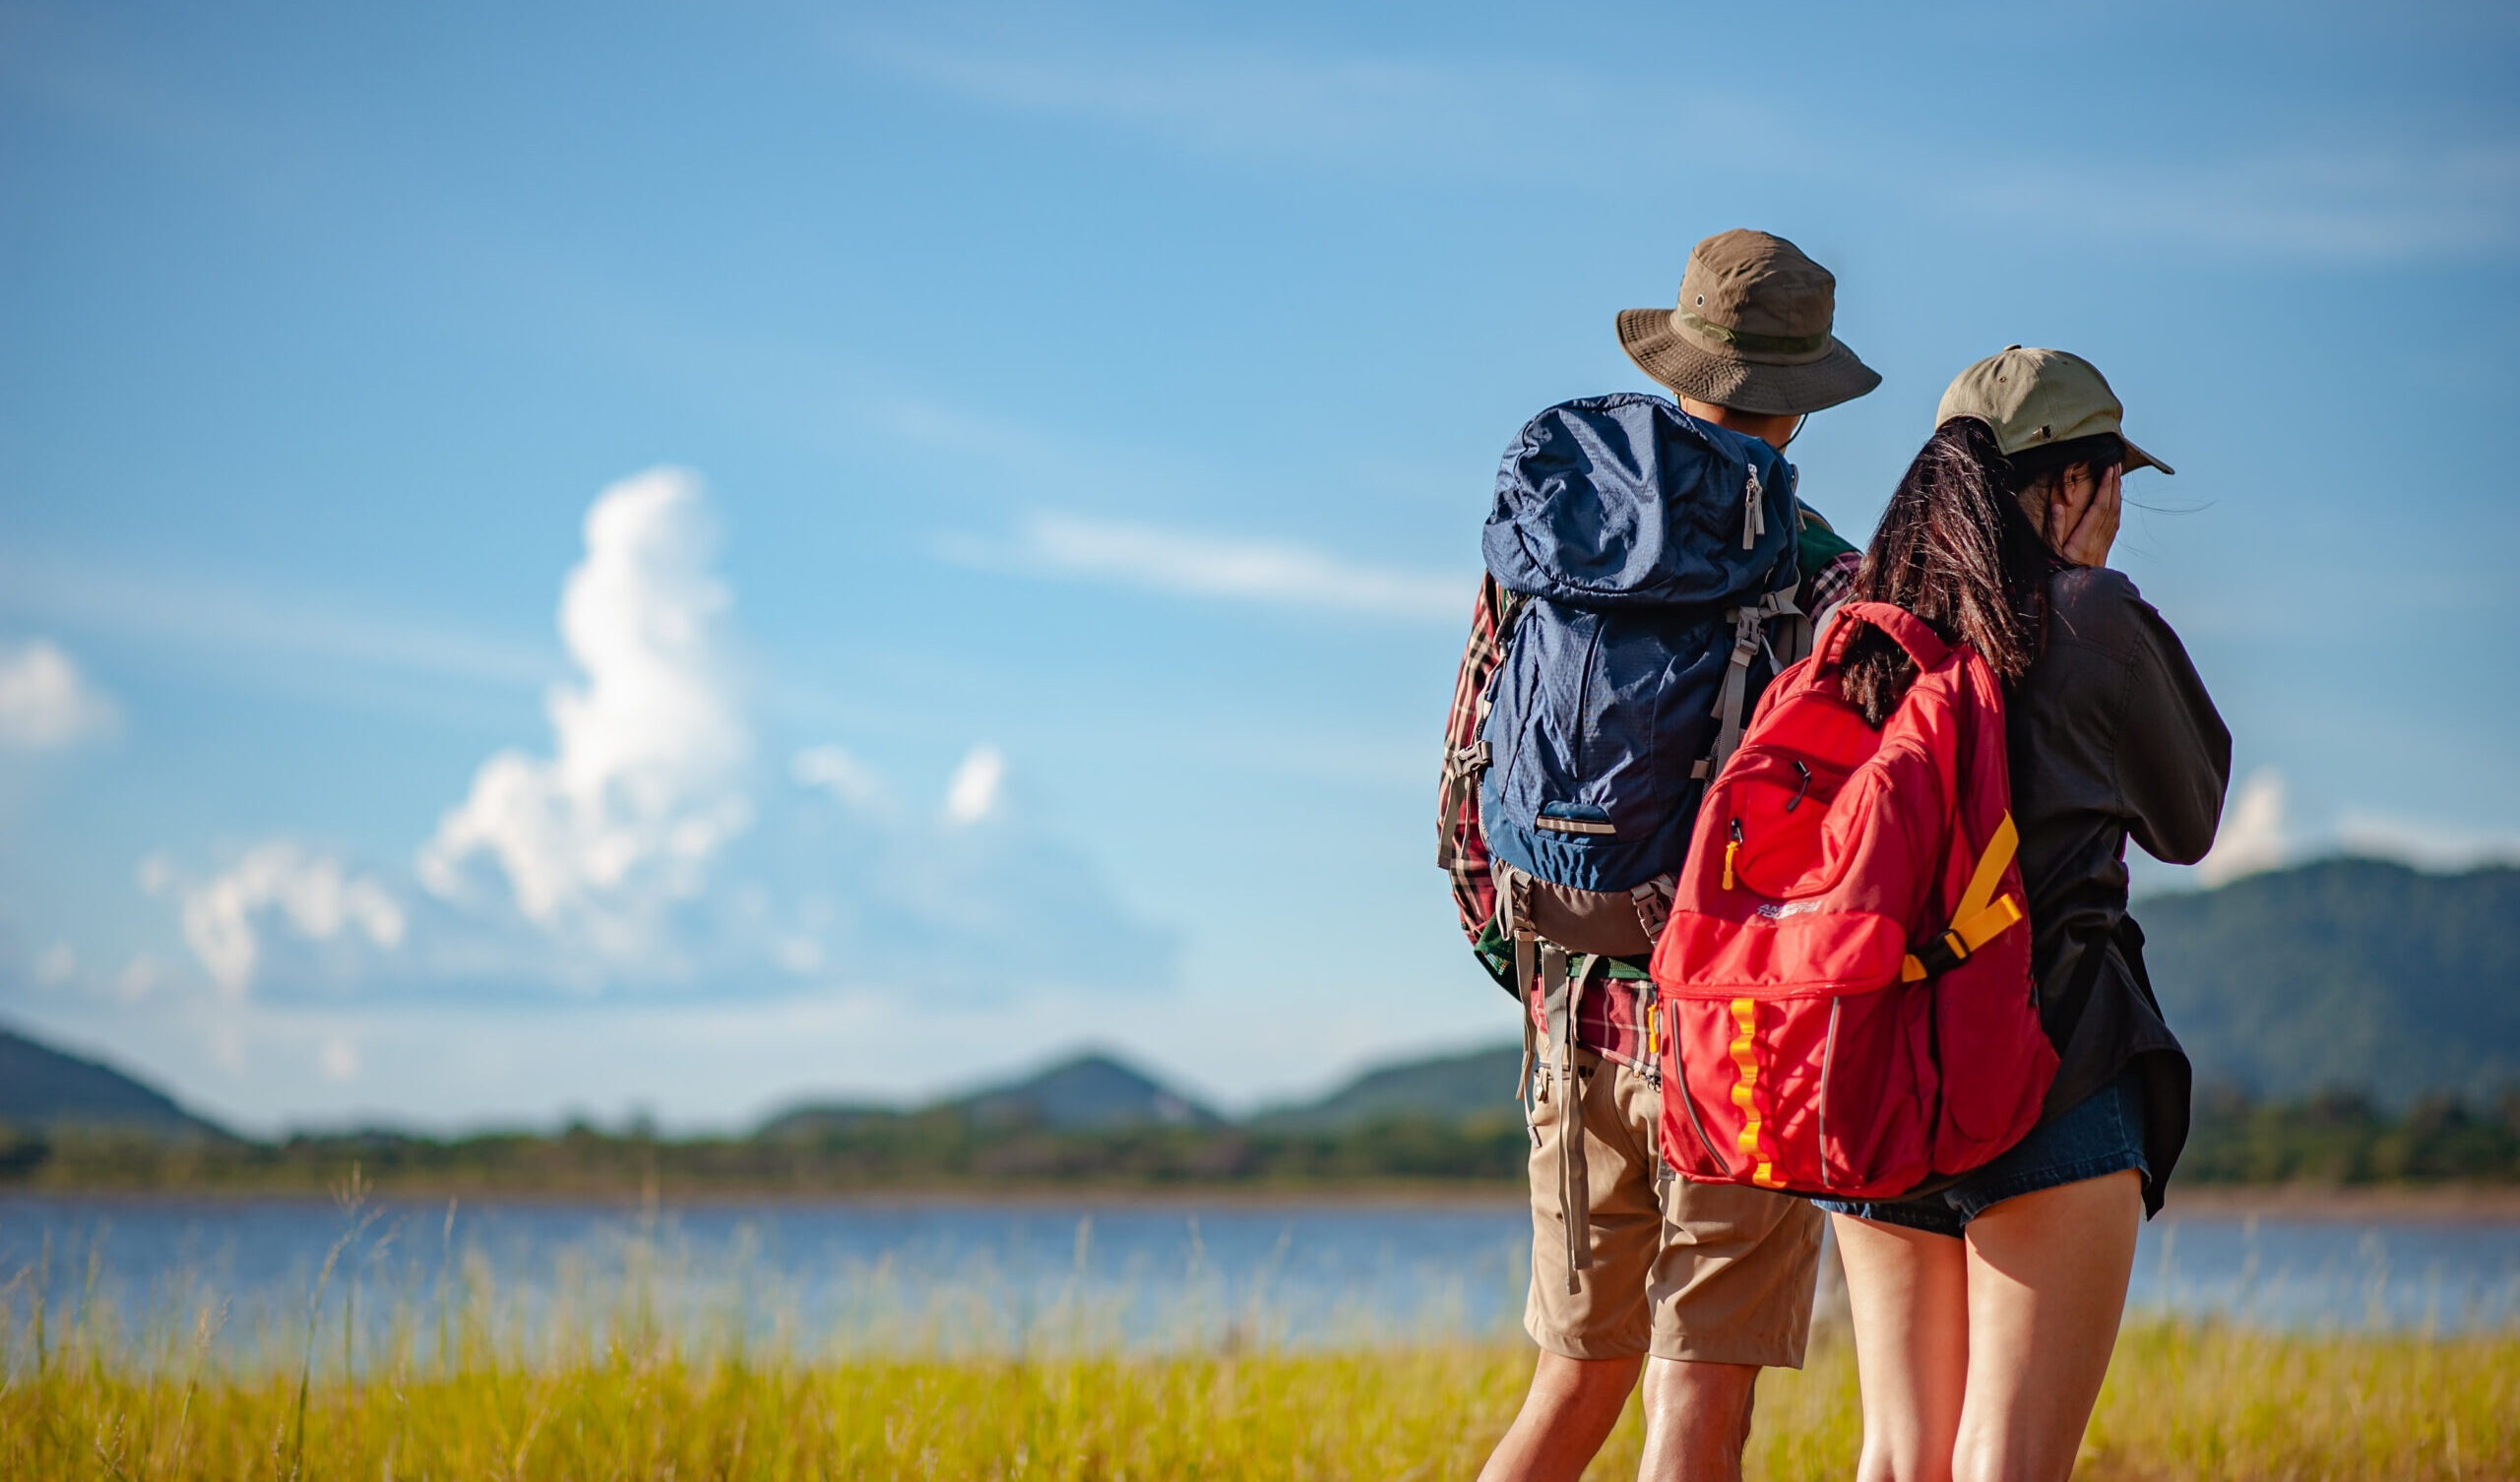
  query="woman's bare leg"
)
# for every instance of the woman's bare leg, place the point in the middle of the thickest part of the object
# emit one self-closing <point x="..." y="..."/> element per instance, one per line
<point x="1908" y="1293"/>
<point x="2046" y="1275"/>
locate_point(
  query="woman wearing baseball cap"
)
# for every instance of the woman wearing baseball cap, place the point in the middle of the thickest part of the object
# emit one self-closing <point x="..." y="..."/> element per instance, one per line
<point x="1985" y="1312"/>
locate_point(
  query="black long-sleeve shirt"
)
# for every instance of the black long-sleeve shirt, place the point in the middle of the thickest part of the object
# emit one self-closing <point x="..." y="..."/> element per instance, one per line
<point x="2111" y="735"/>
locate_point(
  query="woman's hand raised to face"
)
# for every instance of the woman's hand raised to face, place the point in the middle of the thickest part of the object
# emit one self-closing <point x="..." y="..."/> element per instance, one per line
<point x="2082" y="514"/>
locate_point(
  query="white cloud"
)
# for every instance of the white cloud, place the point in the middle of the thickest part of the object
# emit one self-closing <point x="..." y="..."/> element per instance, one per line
<point x="138" y="980"/>
<point x="45" y="702"/>
<point x="58" y="966"/>
<point x="841" y="774"/>
<point x="1205" y="566"/>
<point x="2256" y="832"/>
<point x="633" y="856"/>
<point x="225" y="915"/>
<point x="972" y="794"/>
<point x="2426" y="844"/>
<point x="337" y="1061"/>
<point x="645" y="782"/>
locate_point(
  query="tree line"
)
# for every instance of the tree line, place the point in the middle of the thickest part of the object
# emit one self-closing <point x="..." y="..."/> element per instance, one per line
<point x="2334" y="1139"/>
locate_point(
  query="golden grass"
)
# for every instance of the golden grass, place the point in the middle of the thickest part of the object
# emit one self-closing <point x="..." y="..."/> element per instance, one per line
<point x="2181" y="1403"/>
<point x="457" y="1379"/>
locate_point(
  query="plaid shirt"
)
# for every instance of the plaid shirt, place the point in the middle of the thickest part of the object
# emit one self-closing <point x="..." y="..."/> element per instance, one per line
<point x="1610" y="1020"/>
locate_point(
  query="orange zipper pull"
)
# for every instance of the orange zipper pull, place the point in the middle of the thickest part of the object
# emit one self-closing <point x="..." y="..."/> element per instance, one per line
<point x="1731" y="850"/>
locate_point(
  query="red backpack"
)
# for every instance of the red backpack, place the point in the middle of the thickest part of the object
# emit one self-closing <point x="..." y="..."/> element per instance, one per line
<point x="1845" y="1000"/>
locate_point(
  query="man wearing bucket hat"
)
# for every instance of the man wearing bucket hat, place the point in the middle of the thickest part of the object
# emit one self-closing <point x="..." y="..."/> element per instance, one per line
<point x="1752" y="346"/>
<point x="1694" y="1287"/>
<point x="1752" y="333"/>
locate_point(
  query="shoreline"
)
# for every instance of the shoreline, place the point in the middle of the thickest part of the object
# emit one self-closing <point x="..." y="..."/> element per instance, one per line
<point x="2412" y="1203"/>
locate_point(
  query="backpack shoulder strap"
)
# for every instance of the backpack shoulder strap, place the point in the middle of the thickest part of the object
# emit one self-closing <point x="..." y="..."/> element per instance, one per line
<point x="1749" y="633"/>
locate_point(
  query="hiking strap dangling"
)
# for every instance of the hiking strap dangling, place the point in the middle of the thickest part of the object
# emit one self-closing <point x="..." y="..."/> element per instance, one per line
<point x="1749" y="633"/>
<point x="1562" y="998"/>
<point x="1980" y="918"/>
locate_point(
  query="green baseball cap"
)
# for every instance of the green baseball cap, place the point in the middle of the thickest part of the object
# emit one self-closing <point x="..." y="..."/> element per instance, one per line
<point x="2033" y="397"/>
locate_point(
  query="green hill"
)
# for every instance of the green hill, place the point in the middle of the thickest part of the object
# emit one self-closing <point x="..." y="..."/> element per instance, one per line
<point x="1089" y="1092"/>
<point x="42" y="1089"/>
<point x="1446" y="1086"/>
<point x="2349" y="974"/>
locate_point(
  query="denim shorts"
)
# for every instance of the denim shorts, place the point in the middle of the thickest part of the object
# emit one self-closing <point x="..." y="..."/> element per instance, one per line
<point x="2100" y="1135"/>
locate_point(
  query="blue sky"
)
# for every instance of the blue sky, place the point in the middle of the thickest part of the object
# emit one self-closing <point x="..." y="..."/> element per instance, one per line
<point x="579" y="558"/>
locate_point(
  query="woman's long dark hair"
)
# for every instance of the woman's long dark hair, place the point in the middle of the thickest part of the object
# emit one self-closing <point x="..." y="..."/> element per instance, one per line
<point x="1955" y="549"/>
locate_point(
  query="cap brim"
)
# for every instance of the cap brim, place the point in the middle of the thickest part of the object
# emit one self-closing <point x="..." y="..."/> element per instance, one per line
<point x="1744" y="385"/>
<point x="2137" y="458"/>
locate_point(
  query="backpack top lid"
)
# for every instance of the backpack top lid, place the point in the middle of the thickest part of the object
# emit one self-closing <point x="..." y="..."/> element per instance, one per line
<point x="1626" y="500"/>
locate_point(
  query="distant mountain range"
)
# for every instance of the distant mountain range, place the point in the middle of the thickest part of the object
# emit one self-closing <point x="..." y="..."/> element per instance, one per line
<point x="2347" y="974"/>
<point x="2344" y="974"/>
<point x="44" y="1089"/>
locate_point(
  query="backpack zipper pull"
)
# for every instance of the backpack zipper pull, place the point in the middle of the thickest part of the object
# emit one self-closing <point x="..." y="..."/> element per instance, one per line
<point x="1731" y="850"/>
<point x="1800" y="788"/>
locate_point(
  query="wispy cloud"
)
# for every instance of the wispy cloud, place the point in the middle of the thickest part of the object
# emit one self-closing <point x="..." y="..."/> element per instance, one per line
<point x="255" y="622"/>
<point x="1255" y="101"/>
<point x="2388" y="187"/>
<point x="228" y="915"/>
<point x="1216" y="568"/>
<point x="2428" y="843"/>
<point x="2373" y="201"/>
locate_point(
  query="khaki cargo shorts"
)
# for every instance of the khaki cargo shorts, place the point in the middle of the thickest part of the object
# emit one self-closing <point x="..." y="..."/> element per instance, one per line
<point x="1709" y="1273"/>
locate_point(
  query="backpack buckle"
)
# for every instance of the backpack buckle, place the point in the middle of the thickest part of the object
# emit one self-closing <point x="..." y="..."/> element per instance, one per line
<point x="1942" y="954"/>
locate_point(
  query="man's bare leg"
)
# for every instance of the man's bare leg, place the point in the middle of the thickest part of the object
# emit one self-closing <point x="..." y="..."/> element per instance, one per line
<point x="1571" y="1408"/>
<point x="1697" y="1420"/>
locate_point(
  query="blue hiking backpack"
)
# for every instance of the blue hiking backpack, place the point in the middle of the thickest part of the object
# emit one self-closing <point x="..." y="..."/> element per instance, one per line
<point x="1648" y="559"/>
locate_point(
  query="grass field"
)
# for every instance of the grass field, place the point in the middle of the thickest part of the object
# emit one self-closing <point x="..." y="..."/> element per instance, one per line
<point x="2181" y="1403"/>
<point x="458" y="1379"/>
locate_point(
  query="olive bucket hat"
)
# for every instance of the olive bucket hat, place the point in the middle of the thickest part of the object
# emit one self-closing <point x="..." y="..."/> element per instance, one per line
<point x="2033" y="397"/>
<point x="1751" y="332"/>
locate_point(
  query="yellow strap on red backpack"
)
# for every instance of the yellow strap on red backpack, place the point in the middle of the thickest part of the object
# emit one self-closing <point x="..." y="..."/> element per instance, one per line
<point x="1981" y="916"/>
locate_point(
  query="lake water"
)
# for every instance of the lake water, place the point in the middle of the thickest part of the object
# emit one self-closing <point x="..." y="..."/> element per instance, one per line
<point x="966" y="1277"/>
